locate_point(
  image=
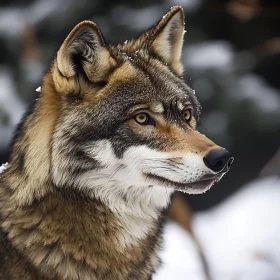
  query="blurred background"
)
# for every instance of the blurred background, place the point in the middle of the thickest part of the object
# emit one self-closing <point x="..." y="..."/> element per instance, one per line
<point x="232" y="60"/>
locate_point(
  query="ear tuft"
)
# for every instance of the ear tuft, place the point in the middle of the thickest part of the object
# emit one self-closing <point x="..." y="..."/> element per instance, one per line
<point x="167" y="38"/>
<point x="84" y="50"/>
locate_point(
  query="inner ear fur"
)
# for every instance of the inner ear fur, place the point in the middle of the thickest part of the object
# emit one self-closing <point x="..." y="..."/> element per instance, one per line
<point x="167" y="38"/>
<point x="84" y="50"/>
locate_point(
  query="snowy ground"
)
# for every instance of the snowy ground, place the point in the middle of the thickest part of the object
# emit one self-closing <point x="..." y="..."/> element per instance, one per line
<point x="240" y="238"/>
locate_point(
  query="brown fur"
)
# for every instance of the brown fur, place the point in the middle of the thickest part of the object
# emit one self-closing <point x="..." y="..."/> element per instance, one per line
<point x="62" y="242"/>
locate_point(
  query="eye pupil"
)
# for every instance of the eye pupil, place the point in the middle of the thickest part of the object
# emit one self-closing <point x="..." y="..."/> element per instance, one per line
<point x="187" y="115"/>
<point x="142" y="118"/>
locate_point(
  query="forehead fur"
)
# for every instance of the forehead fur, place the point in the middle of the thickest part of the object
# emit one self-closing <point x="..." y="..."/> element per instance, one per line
<point x="155" y="79"/>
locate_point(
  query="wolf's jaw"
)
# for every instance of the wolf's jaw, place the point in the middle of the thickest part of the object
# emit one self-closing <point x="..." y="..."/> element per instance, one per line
<point x="197" y="187"/>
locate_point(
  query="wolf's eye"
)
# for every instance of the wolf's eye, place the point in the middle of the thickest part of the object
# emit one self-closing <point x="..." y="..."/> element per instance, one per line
<point x="144" y="119"/>
<point x="187" y="115"/>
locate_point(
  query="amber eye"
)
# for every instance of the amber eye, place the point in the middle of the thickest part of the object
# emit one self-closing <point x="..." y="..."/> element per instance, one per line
<point x="142" y="118"/>
<point x="187" y="115"/>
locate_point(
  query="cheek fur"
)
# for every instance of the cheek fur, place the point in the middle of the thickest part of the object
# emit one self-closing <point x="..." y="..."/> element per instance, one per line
<point x="188" y="168"/>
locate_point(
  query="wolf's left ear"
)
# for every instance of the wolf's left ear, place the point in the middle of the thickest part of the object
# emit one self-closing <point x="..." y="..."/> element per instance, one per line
<point x="84" y="50"/>
<point x="167" y="38"/>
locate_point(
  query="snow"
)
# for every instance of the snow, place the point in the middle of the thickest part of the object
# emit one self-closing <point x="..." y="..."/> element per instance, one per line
<point x="211" y="54"/>
<point x="265" y="97"/>
<point x="3" y="167"/>
<point x="240" y="238"/>
<point x="180" y="256"/>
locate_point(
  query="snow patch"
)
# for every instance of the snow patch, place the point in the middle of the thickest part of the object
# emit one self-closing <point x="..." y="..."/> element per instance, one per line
<point x="240" y="238"/>
<point x="3" y="167"/>
<point x="180" y="256"/>
<point x="264" y="97"/>
<point x="216" y="54"/>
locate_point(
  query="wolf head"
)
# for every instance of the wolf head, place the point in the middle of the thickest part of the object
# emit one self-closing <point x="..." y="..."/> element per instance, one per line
<point x="117" y="118"/>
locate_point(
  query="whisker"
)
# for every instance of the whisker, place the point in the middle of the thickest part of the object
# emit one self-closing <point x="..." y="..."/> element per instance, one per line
<point x="173" y="160"/>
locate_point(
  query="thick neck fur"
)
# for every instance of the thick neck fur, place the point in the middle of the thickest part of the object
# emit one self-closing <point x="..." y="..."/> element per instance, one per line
<point x="67" y="235"/>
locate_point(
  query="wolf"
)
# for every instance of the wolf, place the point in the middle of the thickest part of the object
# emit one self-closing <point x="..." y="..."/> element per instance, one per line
<point x="96" y="158"/>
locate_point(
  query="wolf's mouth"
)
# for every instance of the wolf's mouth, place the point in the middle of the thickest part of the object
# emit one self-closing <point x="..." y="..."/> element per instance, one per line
<point x="199" y="185"/>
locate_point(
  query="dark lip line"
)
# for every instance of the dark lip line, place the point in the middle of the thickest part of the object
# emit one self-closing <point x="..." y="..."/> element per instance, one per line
<point x="180" y="185"/>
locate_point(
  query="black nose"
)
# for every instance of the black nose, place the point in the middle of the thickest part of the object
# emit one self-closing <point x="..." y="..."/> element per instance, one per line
<point x="218" y="160"/>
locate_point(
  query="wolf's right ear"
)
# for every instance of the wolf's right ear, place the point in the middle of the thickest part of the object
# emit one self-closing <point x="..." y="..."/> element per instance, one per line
<point x="84" y="50"/>
<point x="167" y="38"/>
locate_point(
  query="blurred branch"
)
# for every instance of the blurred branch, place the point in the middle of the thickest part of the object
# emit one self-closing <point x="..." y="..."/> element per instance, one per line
<point x="182" y="214"/>
<point x="30" y="46"/>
